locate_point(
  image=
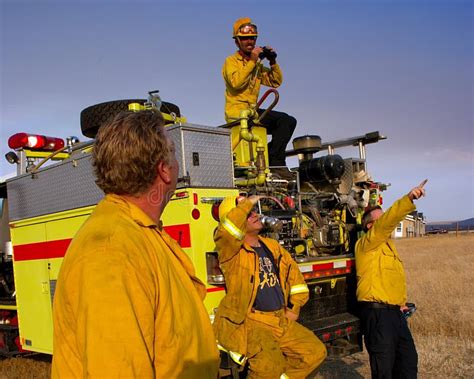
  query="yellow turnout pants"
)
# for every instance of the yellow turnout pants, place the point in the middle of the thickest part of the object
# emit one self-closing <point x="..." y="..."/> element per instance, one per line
<point x="277" y="345"/>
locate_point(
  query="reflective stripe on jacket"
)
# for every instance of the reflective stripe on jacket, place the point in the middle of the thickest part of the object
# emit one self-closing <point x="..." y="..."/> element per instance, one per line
<point x="380" y="273"/>
<point x="243" y="78"/>
<point x="128" y="302"/>
<point x="239" y="263"/>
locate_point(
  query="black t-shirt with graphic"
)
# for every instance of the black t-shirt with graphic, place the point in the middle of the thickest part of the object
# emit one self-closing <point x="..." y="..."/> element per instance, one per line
<point x="269" y="294"/>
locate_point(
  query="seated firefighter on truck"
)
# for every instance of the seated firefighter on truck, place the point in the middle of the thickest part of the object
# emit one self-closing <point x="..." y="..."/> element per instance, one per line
<point x="256" y="320"/>
<point x="243" y="74"/>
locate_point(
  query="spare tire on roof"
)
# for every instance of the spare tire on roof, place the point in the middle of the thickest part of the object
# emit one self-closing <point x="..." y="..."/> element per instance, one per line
<point x="96" y="115"/>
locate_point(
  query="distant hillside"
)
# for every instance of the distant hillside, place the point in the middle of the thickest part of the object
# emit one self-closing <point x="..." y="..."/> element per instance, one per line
<point x="468" y="222"/>
<point x="451" y="225"/>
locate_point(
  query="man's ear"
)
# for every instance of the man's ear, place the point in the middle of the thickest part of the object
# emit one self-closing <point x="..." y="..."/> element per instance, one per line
<point x="164" y="172"/>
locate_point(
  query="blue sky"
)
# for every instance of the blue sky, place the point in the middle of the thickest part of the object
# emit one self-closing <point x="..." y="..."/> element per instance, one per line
<point x="404" y="68"/>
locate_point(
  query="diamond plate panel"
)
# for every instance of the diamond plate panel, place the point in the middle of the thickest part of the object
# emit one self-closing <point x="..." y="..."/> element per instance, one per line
<point x="66" y="185"/>
<point x="204" y="154"/>
<point x="347" y="178"/>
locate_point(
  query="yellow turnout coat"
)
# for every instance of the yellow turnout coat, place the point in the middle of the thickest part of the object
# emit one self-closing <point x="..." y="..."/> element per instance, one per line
<point x="239" y="263"/>
<point x="243" y="79"/>
<point x="128" y="303"/>
<point x="380" y="273"/>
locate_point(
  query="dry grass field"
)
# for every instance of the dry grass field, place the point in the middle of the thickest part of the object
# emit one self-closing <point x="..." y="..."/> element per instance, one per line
<point x="440" y="281"/>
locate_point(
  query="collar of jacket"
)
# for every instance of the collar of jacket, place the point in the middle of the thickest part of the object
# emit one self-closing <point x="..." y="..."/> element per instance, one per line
<point x="262" y="240"/>
<point x="248" y="248"/>
<point x="251" y="249"/>
<point x="242" y="56"/>
<point x="140" y="217"/>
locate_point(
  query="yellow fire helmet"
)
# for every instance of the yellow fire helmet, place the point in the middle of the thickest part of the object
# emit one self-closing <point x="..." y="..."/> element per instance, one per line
<point x="229" y="203"/>
<point x="243" y="27"/>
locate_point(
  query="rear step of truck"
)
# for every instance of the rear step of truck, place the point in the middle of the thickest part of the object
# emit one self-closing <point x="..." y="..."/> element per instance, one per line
<point x="340" y="334"/>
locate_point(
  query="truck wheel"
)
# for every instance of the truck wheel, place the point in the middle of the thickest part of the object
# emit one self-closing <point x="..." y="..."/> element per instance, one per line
<point x="94" y="116"/>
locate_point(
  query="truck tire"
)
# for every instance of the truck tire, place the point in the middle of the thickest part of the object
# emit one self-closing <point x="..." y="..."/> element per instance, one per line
<point x="94" y="116"/>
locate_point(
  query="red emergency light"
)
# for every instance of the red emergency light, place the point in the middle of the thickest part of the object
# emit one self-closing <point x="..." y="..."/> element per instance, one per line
<point x="35" y="142"/>
<point x="215" y="210"/>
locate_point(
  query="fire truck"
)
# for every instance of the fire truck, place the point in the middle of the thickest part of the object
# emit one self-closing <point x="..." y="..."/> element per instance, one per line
<point x="315" y="216"/>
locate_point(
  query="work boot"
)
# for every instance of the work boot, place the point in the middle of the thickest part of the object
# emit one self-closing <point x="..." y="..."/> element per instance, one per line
<point x="282" y="172"/>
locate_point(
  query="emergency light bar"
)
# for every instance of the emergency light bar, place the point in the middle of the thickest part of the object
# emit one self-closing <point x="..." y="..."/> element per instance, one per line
<point x="35" y="142"/>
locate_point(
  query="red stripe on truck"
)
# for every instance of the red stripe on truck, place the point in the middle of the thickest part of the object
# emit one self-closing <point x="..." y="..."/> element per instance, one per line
<point x="215" y="289"/>
<point x="323" y="266"/>
<point x="57" y="248"/>
<point x="41" y="250"/>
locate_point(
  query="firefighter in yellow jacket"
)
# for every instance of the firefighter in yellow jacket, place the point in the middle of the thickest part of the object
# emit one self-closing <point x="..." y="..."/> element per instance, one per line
<point x="128" y="302"/>
<point x="381" y="291"/>
<point x="256" y="320"/>
<point x="244" y="73"/>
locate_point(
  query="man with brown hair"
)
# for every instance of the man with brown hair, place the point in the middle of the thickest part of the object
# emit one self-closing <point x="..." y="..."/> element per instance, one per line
<point x="382" y="293"/>
<point x="127" y="301"/>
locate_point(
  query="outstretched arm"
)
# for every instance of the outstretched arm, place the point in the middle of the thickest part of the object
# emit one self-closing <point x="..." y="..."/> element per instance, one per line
<point x="382" y="228"/>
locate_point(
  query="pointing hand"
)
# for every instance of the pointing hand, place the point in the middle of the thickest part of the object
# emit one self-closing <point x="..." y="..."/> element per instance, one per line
<point x="418" y="191"/>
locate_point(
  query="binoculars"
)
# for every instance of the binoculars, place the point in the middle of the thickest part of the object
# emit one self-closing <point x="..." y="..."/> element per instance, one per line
<point x="267" y="53"/>
<point x="271" y="224"/>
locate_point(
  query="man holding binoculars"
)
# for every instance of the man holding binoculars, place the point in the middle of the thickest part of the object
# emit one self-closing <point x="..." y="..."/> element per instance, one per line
<point x="243" y="74"/>
<point x="256" y="320"/>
